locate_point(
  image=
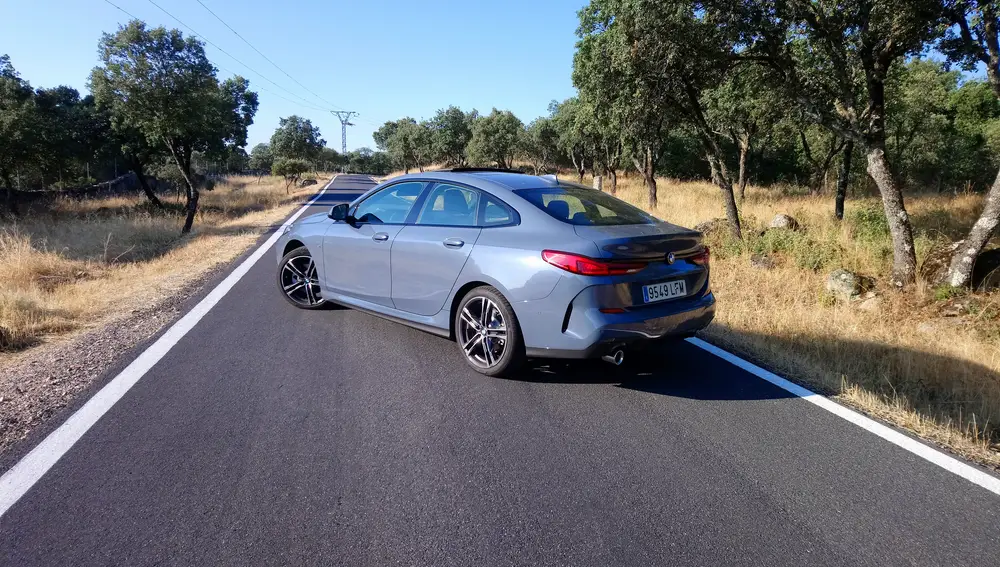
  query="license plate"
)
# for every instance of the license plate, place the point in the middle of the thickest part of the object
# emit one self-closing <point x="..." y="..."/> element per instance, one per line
<point x="662" y="291"/>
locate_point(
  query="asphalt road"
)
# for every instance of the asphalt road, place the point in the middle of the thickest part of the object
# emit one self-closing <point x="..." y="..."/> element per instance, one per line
<point x="270" y="435"/>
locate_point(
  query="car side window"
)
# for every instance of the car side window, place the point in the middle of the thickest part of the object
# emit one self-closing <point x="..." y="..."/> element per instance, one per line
<point x="496" y="214"/>
<point x="390" y="205"/>
<point x="450" y="205"/>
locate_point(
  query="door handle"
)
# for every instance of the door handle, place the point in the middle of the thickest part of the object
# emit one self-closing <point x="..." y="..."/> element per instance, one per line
<point x="454" y="242"/>
<point x="380" y="236"/>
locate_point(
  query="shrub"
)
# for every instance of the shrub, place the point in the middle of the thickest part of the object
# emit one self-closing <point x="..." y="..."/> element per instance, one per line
<point x="869" y="224"/>
<point x="291" y="169"/>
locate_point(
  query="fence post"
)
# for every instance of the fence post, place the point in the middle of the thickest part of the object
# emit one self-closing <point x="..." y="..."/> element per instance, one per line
<point x="598" y="183"/>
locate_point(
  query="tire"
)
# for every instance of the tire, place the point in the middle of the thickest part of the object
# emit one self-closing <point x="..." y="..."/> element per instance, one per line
<point x="293" y="265"/>
<point x="486" y="356"/>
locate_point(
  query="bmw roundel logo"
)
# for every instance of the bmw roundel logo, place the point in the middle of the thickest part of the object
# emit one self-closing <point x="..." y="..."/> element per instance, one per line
<point x="671" y="258"/>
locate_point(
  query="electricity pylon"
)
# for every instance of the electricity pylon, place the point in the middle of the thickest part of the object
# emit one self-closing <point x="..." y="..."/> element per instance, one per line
<point x="345" y="121"/>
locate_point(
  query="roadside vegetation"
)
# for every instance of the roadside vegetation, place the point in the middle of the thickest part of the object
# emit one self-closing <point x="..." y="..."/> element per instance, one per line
<point x="71" y="264"/>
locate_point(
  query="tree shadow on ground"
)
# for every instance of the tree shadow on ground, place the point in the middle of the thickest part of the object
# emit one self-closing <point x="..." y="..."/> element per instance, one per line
<point x="938" y="387"/>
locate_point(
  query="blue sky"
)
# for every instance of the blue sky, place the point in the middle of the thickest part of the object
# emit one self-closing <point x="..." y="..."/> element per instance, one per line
<point x="384" y="59"/>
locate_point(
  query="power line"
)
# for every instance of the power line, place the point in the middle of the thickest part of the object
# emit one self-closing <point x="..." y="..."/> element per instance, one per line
<point x="121" y="9"/>
<point x="266" y="58"/>
<point x="309" y="105"/>
<point x="210" y="42"/>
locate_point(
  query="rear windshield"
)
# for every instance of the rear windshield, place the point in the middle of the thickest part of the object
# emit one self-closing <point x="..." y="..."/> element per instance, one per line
<point x="575" y="204"/>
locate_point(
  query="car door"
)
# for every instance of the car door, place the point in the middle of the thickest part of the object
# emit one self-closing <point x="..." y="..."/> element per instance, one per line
<point x="356" y="252"/>
<point x="428" y="254"/>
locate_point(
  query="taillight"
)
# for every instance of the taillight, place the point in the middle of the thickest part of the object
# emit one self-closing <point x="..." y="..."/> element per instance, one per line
<point x="701" y="258"/>
<point x="589" y="266"/>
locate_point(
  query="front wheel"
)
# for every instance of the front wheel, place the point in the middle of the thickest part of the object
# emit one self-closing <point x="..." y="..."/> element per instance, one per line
<point x="487" y="331"/>
<point x="298" y="280"/>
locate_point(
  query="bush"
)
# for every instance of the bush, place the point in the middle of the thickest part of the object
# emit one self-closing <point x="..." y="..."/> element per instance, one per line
<point x="291" y="169"/>
<point x="869" y="224"/>
<point x="808" y="252"/>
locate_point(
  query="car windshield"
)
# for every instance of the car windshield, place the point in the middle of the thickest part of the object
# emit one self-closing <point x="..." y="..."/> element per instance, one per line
<point x="575" y="204"/>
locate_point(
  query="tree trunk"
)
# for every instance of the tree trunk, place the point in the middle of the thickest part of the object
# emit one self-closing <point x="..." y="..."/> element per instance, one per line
<point x="904" y="260"/>
<point x="650" y="180"/>
<point x="138" y="169"/>
<point x="964" y="258"/>
<point x="192" y="208"/>
<point x="744" y="151"/>
<point x="722" y="179"/>
<point x="184" y="165"/>
<point x="843" y="178"/>
<point x="647" y="168"/>
<point x="10" y="200"/>
<point x="613" y="176"/>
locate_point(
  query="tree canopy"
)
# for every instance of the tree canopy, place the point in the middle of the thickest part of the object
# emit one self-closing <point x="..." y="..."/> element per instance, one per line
<point x="161" y="85"/>
<point x="296" y="137"/>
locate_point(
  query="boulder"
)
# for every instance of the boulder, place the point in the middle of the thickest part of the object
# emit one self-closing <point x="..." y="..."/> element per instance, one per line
<point x="845" y="285"/>
<point x="712" y="227"/>
<point x="762" y="262"/>
<point x="784" y="221"/>
<point x="985" y="273"/>
<point x="934" y="270"/>
<point x="937" y="327"/>
<point x="872" y="304"/>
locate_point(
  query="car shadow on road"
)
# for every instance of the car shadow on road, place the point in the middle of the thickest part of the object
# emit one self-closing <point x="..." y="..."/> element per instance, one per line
<point x="675" y="369"/>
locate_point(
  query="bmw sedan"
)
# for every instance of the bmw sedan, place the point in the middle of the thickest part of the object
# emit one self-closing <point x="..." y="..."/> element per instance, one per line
<point x="508" y="265"/>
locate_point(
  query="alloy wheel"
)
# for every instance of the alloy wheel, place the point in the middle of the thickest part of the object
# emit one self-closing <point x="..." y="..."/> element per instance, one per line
<point x="482" y="332"/>
<point x="300" y="282"/>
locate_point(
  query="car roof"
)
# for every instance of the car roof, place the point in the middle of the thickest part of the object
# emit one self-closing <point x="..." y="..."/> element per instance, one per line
<point x="495" y="179"/>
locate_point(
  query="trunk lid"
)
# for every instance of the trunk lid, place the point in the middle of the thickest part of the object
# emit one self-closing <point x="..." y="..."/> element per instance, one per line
<point x="648" y="242"/>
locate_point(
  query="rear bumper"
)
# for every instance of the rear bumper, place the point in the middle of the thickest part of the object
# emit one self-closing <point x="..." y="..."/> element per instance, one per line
<point x="591" y="334"/>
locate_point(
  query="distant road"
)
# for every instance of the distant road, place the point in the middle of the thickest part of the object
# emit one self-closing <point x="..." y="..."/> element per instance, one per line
<point x="269" y="435"/>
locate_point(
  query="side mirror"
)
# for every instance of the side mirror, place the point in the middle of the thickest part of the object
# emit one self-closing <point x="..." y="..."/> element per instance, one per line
<point x="339" y="212"/>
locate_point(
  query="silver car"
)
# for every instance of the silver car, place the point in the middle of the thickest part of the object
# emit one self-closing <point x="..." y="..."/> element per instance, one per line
<point x="510" y="266"/>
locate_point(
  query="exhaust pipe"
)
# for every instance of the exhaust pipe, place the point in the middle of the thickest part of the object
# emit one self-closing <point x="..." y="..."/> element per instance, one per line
<point x="617" y="357"/>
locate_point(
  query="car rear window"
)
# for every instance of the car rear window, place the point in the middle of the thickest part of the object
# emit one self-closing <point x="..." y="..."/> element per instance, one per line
<point x="575" y="204"/>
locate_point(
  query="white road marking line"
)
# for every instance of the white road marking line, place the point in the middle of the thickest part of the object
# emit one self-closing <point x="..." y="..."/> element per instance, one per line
<point x="22" y="476"/>
<point x="948" y="463"/>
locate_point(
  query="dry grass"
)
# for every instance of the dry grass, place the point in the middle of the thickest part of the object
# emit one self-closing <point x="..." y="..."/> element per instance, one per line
<point x="72" y="264"/>
<point x="903" y="361"/>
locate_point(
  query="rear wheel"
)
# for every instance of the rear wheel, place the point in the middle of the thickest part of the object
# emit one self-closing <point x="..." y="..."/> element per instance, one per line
<point x="298" y="280"/>
<point x="487" y="331"/>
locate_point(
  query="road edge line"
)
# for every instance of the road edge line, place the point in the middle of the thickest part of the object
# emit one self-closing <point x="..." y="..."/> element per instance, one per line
<point x="926" y="452"/>
<point x="16" y="482"/>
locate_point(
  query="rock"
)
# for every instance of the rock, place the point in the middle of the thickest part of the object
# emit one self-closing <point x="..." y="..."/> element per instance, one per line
<point x="939" y="326"/>
<point x="307" y="182"/>
<point x="784" y="221"/>
<point x="954" y="307"/>
<point x="712" y="227"/>
<point x="871" y="304"/>
<point x="934" y="270"/>
<point x="845" y="285"/>
<point x="762" y="262"/>
<point x="985" y="273"/>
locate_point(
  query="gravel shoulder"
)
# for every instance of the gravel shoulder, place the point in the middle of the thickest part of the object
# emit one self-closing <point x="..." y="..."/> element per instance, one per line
<point x="41" y="383"/>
